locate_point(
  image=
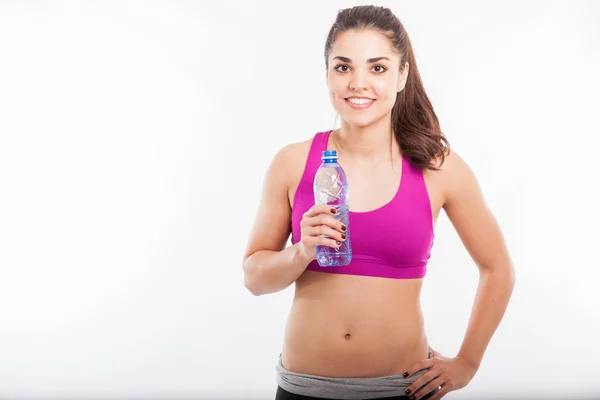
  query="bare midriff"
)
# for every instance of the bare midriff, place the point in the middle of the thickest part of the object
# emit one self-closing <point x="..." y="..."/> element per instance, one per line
<point x="354" y="326"/>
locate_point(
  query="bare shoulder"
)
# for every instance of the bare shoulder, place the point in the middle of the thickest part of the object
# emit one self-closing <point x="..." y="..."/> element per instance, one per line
<point x="287" y="158"/>
<point x="471" y="216"/>
<point x="292" y="160"/>
<point x="453" y="177"/>
<point x="460" y="182"/>
<point x="271" y="227"/>
<point x="296" y="152"/>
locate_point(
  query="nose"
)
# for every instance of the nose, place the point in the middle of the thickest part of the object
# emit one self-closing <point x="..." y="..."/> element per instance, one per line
<point x="357" y="80"/>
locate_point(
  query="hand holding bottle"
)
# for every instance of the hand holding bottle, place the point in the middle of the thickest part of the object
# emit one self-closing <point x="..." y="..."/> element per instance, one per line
<point x="319" y="227"/>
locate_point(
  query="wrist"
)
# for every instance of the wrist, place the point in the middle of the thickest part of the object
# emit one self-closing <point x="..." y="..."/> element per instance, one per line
<point x="473" y="364"/>
<point x="300" y="254"/>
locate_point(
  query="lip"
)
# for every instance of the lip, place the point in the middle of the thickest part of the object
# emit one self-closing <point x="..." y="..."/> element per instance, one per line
<point x="360" y="106"/>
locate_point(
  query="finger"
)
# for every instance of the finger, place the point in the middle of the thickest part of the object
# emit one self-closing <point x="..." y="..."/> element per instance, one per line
<point x="327" y="220"/>
<point x="440" y="393"/>
<point x="426" y="390"/>
<point x="329" y="242"/>
<point x="422" y="381"/>
<point x="421" y="365"/>
<point x="316" y="240"/>
<point x="333" y="223"/>
<point x="318" y="209"/>
<point x="326" y="213"/>
<point x="326" y="231"/>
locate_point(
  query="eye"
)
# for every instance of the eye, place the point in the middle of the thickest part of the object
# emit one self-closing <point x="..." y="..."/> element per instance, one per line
<point x="383" y="69"/>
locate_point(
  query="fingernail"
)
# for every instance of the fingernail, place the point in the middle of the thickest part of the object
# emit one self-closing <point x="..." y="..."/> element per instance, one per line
<point x="411" y="398"/>
<point x="344" y="227"/>
<point x="338" y="243"/>
<point x="405" y="374"/>
<point x="407" y="392"/>
<point x="333" y="210"/>
<point x="344" y="236"/>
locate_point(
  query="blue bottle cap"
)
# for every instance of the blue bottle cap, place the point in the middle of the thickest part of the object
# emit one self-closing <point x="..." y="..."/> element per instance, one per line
<point x="329" y="156"/>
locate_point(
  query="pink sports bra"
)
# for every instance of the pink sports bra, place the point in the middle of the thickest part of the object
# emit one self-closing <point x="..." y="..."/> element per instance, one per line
<point x="392" y="241"/>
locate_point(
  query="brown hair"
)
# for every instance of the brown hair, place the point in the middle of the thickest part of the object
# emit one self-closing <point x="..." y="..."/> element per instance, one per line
<point x="414" y="122"/>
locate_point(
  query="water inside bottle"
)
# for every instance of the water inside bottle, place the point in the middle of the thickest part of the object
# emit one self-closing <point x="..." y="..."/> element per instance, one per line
<point x="331" y="188"/>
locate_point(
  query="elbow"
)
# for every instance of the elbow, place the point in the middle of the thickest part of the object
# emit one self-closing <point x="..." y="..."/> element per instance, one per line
<point x="514" y="279"/>
<point x="503" y="274"/>
<point x="250" y="278"/>
<point x="511" y="277"/>
<point x="251" y="286"/>
<point x="512" y="274"/>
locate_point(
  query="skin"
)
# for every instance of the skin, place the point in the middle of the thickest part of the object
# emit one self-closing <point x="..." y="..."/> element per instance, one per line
<point x="356" y="326"/>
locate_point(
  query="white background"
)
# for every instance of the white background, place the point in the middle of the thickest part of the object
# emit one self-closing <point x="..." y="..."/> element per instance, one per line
<point x="134" y="138"/>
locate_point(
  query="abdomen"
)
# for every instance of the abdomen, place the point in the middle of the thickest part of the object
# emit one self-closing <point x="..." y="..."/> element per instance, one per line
<point x="354" y="326"/>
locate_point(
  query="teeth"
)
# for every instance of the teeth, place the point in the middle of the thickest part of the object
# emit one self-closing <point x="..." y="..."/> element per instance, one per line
<point x="359" y="101"/>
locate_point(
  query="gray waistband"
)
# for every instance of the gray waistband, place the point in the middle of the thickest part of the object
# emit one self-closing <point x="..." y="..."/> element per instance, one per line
<point x="346" y="388"/>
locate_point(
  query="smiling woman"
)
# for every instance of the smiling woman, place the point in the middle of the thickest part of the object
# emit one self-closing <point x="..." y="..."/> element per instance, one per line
<point x="360" y="102"/>
<point x="357" y="331"/>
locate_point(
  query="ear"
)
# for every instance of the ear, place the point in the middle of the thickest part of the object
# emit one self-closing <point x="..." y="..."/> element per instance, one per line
<point x="402" y="78"/>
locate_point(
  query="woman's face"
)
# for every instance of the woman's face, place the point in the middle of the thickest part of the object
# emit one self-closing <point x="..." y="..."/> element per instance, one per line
<point x="356" y="70"/>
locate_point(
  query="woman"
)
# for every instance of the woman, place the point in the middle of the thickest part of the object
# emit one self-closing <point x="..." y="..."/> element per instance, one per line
<point x="357" y="331"/>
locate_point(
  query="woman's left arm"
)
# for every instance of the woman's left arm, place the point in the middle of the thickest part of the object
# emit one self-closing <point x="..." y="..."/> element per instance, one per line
<point x="477" y="228"/>
<point x="479" y="232"/>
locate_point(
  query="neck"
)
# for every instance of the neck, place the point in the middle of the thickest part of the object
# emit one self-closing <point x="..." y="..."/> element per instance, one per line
<point x="369" y="144"/>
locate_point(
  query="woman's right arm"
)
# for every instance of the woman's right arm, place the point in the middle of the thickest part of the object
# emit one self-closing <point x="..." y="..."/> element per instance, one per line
<point x="268" y="266"/>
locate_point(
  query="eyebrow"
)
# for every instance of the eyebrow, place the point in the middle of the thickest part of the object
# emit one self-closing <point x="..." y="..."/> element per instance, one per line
<point x="370" y="60"/>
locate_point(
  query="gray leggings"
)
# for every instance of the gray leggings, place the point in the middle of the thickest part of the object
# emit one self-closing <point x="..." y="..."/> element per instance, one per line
<point x="344" y="388"/>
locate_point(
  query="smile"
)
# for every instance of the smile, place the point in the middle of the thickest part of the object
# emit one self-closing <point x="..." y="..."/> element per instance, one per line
<point x="359" y="103"/>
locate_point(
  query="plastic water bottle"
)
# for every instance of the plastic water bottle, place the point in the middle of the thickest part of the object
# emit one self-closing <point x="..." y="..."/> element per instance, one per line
<point x="331" y="188"/>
